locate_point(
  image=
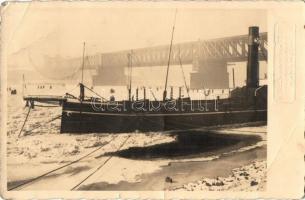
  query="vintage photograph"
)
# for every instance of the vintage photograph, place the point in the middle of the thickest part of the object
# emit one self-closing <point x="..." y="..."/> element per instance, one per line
<point x="111" y="98"/>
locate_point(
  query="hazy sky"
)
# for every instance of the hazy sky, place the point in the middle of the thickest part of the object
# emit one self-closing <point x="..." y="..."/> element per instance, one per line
<point x="62" y="29"/>
<point x="34" y="30"/>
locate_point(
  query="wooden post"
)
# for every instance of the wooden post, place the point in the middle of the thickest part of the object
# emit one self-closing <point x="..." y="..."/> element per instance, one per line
<point x="32" y="104"/>
<point x="27" y="104"/>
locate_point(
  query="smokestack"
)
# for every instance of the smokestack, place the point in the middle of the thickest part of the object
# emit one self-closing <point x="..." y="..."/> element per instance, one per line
<point x="253" y="65"/>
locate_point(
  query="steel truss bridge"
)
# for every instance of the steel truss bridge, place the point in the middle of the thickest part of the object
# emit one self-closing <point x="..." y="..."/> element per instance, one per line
<point x="205" y="56"/>
<point x="231" y="49"/>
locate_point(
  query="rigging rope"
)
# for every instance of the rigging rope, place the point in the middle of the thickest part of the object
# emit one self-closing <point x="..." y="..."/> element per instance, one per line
<point x="169" y="56"/>
<point x="95" y="93"/>
<point x="90" y="64"/>
<point x="153" y="94"/>
<point x="205" y="64"/>
<point x="72" y="89"/>
<point x="187" y="89"/>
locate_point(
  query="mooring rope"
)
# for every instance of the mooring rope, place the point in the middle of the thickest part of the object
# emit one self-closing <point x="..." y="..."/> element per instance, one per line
<point x="26" y="118"/>
<point x="58" y="168"/>
<point x="40" y="125"/>
<point x="99" y="167"/>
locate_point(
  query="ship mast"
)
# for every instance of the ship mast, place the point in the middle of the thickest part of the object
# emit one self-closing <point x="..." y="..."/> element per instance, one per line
<point x="169" y="57"/>
<point x="83" y="65"/>
<point x="130" y="74"/>
<point x="82" y="88"/>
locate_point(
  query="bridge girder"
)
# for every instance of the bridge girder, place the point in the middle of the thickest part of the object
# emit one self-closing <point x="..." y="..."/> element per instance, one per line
<point x="230" y="49"/>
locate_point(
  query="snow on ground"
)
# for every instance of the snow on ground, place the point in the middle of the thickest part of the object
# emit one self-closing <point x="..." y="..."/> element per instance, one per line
<point x="46" y="145"/>
<point x="251" y="177"/>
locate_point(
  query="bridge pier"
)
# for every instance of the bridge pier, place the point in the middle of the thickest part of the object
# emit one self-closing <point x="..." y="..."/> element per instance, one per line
<point x="110" y="76"/>
<point x="211" y="74"/>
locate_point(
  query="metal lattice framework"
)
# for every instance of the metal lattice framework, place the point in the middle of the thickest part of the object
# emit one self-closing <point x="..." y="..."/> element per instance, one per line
<point x="230" y="49"/>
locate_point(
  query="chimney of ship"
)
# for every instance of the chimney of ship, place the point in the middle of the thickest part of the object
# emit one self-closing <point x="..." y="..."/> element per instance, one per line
<point x="253" y="65"/>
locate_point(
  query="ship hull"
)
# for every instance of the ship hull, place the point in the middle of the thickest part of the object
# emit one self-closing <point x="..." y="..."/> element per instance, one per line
<point x="99" y="122"/>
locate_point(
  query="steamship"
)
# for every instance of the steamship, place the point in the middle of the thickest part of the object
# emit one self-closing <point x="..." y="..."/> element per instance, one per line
<point x="96" y="114"/>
